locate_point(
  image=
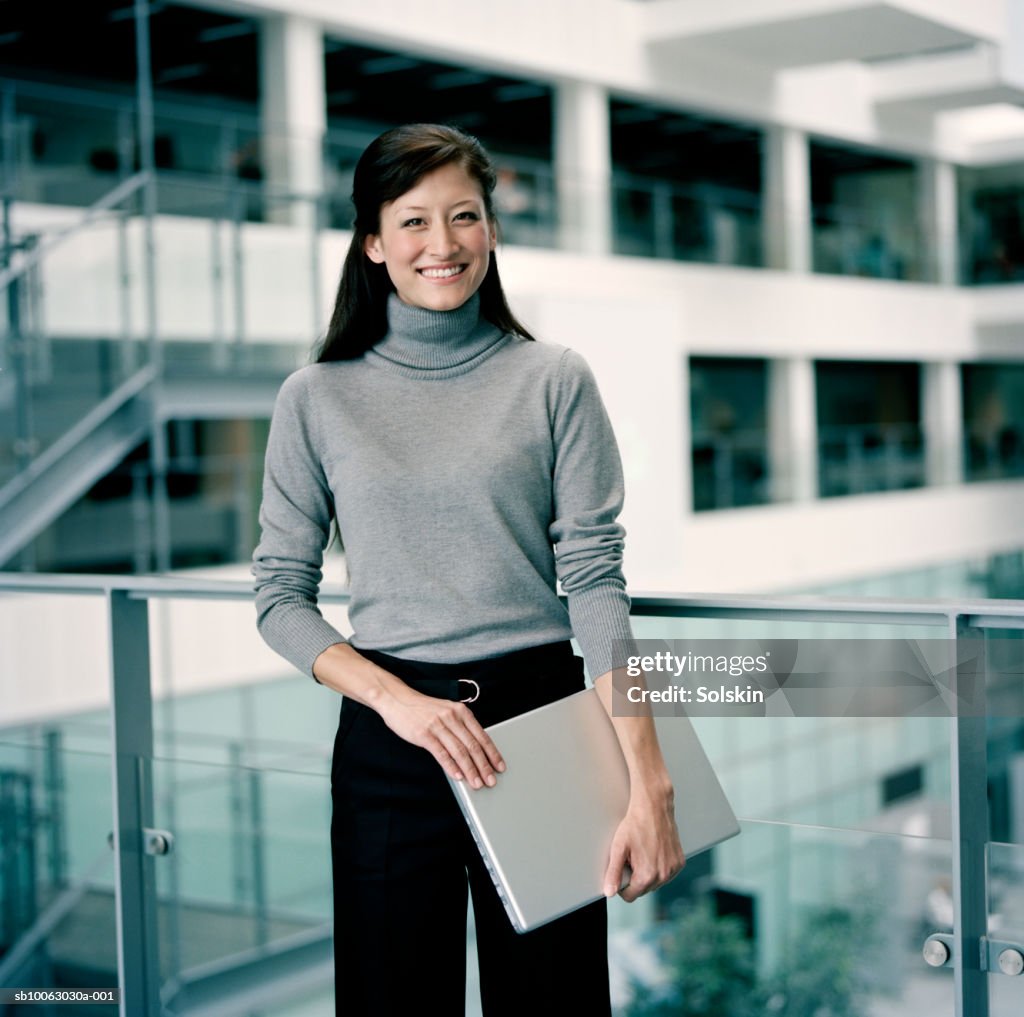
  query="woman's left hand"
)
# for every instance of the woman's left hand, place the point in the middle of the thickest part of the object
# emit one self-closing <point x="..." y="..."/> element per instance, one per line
<point x="646" y="844"/>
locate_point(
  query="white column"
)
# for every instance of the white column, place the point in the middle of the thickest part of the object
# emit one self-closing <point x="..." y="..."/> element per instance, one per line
<point x="937" y="213"/>
<point x="293" y="111"/>
<point x="583" y="166"/>
<point x="792" y="430"/>
<point x="787" y="205"/>
<point x="942" y="419"/>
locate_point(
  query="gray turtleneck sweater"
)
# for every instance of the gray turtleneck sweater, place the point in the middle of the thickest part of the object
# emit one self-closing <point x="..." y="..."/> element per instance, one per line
<point x="468" y="470"/>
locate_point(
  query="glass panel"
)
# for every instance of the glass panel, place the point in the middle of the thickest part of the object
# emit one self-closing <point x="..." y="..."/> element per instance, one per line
<point x="1006" y="917"/>
<point x="993" y="420"/>
<point x="75" y="316"/>
<point x="863" y="218"/>
<point x="222" y="696"/>
<point x="856" y="453"/>
<point x="67" y="152"/>
<point x="57" y="906"/>
<point x="729" y="436"/>
<point x="992" y="213"/>
<point x="700" y="223"/>
<point x="249" y="878"/>
<point x="887" y="774"/>
<point x="57" y="913"/>
<point x="795" y="920"/>
<point x="525" y="201"/>
<point x="41" y="689"/>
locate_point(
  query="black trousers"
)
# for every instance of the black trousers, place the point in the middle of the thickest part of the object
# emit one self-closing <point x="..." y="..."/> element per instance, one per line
<point x="402" y="856"/>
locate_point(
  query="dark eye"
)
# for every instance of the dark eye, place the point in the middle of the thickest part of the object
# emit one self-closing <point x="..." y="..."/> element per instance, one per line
<point x="415" y="221"/>
<point x="468" y="216"/>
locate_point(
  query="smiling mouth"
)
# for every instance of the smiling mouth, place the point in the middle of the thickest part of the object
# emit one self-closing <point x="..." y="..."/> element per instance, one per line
<point x="448" y="272"/>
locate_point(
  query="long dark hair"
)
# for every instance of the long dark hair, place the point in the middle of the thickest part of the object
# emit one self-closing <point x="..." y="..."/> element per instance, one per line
<point x="391" y="165"/>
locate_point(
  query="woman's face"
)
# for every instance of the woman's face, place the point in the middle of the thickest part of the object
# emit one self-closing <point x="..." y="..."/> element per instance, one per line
<point x="435" y="240"/>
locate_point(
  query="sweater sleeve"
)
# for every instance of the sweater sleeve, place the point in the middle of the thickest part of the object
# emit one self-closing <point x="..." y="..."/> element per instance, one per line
<point x="587" y="498"/>
<point x="295" y="519"/>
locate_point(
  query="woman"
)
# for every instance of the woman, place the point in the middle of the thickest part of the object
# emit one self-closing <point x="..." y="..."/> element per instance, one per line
<point x="467" y="468"/>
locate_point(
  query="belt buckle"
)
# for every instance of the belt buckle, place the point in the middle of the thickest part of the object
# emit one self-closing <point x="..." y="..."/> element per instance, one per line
<point x="476" y="694"/>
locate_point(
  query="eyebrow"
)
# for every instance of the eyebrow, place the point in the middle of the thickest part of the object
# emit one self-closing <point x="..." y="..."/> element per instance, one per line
<point x="421" y="208"/>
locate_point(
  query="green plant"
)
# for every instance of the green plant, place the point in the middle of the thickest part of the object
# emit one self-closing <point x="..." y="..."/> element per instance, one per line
<point x="820" y="976"/>
<point x="711" y="966"/>
<point x="711" y="971"/>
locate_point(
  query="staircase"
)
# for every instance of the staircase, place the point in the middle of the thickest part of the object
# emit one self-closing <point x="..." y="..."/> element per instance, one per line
<point x="73" y="458"/>
<point x="72" y="408"/>
<point x="69" y="412"/>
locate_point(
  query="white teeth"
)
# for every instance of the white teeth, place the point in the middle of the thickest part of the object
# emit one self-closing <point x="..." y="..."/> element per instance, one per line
<point x="442" y="273"/>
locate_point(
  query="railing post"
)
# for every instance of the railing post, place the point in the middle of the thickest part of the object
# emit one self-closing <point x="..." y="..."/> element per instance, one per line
<point x="55" y="787"/>
<point x="664" y="226"/>
<point x="969" y="797"/>
<point x="9" y="142"/>
<point x="147" y="160"/>
<point x="138" y="972"/>
<point x="128" y="360"/>
<point x="220" y="350"/>
<point x="238" y="198"/>
<point x="319" y="220"/>
<point x="257" y="836"/>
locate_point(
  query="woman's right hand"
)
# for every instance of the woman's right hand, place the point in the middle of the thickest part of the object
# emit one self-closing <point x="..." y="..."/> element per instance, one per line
<point x="448" y="731"/>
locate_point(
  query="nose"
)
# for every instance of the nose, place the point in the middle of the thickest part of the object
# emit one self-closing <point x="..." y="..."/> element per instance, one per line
<point x="443" y="242"/>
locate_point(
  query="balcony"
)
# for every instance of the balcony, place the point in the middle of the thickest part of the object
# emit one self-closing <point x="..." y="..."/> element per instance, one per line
<point x="861" y="836"/>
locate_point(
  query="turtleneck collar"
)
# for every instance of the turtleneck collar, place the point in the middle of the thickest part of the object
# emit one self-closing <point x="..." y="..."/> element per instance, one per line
<point x="437" y="344"/>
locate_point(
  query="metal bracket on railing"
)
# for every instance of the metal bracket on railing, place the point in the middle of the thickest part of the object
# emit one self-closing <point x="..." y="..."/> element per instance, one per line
<point x="154" y="842"/>
<point x="1001" y="957"/>
<point x="938" y="950"/>
<point x="157" y="842"/>
<point x="996" y="956"/>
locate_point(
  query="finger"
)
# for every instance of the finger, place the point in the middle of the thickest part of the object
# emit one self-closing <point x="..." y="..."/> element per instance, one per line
<point x="639" y="884"/>
<point x="455" y="749"/>
<point x="482" y="760"/>
<point x="444" y="758"/>
<point x="475" y="741"/>
<point x="465" y="749"/>
<point x="485" y="741"/>
<point x="616" y="866"/>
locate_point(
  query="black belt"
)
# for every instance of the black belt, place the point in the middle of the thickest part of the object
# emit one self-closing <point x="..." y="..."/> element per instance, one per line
<point x="495" y="687"/>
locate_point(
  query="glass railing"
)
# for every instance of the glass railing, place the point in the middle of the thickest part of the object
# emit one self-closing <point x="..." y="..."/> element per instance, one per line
<point x="854" y="241"/>
<point x="57" y="872"/>
<point x="867" y="459"/>
<point x="992" y="246"/>
<point x="844" y="867"/>
<point x="247" y="886"/>
<point x="75" y="389"/>
<point x="1006" y="921"/>
<point x="994" y="453"/>
<point x="701" y="223"/>
<point x="68" y="147"/>
<point x="102" y="360"/>
<point x="212" y="506"/>
<point x="731" y="469"/>
<point x="822" y="921"/>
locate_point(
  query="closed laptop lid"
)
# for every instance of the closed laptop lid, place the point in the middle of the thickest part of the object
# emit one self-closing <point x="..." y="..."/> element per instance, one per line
<point x="545" y="830"/>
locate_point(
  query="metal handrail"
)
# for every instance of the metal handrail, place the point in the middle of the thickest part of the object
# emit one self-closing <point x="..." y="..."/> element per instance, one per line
<point x="109" y="200"/>
<point x="795" y="607"/>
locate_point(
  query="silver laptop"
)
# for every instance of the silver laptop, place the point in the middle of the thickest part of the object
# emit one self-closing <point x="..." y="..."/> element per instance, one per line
<point x="545" y="830"/>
